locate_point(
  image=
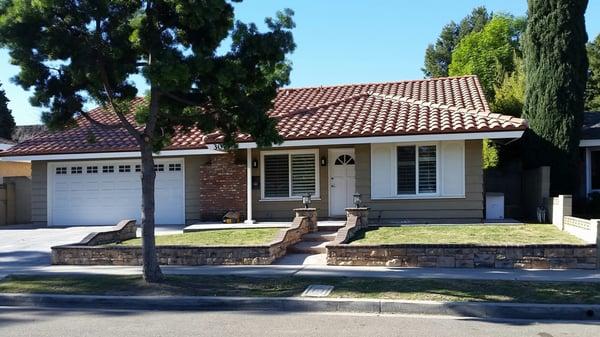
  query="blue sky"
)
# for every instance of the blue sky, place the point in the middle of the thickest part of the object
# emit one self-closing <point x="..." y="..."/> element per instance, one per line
<point x="343" y="41"/>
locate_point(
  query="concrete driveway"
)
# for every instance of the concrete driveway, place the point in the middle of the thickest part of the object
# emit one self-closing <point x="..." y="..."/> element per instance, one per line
<point x="26" y="247"/>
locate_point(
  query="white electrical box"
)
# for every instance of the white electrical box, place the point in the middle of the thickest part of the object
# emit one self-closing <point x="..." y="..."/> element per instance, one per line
<point x="494" y="206"/>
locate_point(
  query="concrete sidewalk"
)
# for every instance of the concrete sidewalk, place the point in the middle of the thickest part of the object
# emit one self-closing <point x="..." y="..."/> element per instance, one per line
<point x="332" y="271"/>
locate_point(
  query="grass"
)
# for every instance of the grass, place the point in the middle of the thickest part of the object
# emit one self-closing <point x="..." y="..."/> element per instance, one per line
<point x="462" y="234"/>
<point x="406" y="289"/>
<point x="234" y="237"/>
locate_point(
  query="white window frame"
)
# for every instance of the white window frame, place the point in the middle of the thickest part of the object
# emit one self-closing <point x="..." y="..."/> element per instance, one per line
<point x="289" y="153"/>
<point x="417" y="194"/>
<point x="588" y="169"/>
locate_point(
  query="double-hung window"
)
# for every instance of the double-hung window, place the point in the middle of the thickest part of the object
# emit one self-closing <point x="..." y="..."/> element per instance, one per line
<point x="416" y="169"/>
<point x="290" y="174"/>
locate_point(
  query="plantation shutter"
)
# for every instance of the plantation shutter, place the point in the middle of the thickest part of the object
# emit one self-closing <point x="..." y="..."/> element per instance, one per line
<point x="303" y="174"/>
<point x="427" y="169"/>
<point x="277" y="176"/>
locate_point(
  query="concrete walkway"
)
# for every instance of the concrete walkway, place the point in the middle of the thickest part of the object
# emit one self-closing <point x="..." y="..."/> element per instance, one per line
<point x="333" y="271"/>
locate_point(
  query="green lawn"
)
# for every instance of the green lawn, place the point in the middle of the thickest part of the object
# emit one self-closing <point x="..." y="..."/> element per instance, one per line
<point x="407" y="289"/>
<point x="235" y="237"/>
<point x="481" y="234"/>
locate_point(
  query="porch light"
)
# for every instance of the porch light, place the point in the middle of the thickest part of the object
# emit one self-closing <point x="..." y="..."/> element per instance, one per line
<point x="323" y="161"/>
<point x="356" y="200"/>
<point x="254" y="163"/>
<point x="306" y="200"/>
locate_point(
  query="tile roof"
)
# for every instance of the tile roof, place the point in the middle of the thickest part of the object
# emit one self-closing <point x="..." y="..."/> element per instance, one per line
<point x="428" y="106"/>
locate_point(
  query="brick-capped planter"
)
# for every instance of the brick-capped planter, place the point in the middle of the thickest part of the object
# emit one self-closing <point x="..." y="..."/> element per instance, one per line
<point x="546" y="256"/>
<point x="83" y="253"/>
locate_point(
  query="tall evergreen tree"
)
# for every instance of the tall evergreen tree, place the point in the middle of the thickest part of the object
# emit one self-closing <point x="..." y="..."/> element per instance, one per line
<point x="7" y="122"/>
<point x="592" y="95"/>
<point x="439" y="55"/>
<point x="556" y="67"/>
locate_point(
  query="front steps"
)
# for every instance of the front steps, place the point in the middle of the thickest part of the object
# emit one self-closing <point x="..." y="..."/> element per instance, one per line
<point x="313" y="243"/>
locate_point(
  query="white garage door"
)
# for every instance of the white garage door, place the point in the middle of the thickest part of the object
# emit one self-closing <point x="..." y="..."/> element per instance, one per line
<point x="104" y="192"/>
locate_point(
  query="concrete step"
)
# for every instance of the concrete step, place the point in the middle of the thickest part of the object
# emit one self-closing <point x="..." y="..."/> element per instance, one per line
<point x="309" y="247"/>
<point x="319" y="236"/>
<point x="330" y="227"/>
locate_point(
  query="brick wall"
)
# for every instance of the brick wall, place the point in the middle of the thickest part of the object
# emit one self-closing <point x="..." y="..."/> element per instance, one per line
<point x="222" y="187"/>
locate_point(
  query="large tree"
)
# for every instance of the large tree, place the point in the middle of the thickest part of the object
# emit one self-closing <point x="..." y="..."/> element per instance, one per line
<point x="556" y="67"/>
<point x="439" y="55"/>
<point x="73" y="52"/>
<point x="592" y="99"/>
<point x="7" y="122"/>
<point x="489" y="53"/>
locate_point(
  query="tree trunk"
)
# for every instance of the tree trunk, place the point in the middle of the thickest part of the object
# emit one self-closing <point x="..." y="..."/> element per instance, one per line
<point x="151" y="268"/>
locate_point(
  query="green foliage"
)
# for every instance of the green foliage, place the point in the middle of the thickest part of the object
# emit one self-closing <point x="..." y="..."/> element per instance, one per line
<point x="7" y="122"/>
<point x="489" y="53"/>
<point x="439" y="55"/>
<point x="592" y="99"/>
<point x="74" y="52"/>
<point x="556" y="69"/>
<point x="510" y="94"/>
<point x="490" y="155"/>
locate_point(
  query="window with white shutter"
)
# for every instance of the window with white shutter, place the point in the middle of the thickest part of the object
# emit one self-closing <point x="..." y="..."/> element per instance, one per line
<point x="289" y="174"/>
<point x="416" y="169"/>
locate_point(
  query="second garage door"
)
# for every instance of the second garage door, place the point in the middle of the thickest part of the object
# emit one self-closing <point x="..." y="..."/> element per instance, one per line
<point x="104" y="192"/>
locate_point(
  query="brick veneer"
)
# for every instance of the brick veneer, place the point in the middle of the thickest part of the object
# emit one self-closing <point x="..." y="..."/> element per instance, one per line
<point x="465" y="256"/>
<point x="222" y="187"/>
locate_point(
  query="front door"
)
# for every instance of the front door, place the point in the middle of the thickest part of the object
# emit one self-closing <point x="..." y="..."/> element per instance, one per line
<point x="342" y="180"/>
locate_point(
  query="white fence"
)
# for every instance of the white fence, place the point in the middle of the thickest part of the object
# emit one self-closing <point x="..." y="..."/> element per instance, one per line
<point x="562" y="217"/>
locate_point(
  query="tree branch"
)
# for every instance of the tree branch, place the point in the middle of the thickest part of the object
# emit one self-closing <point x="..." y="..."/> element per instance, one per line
<point x="100" y="124"/>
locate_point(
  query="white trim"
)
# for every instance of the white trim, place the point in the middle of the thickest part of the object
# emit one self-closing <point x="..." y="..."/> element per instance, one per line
<point x="589" y="142"/>
<point x="420" y="197"/>
<point x="50" y="173"/>
<point x="214" y="149"/>
<point x="394" y="163"/>
<point x="111" y="155"/>
<point x="289" y="153"/>
<point x="249" y="219"/>
<point x="394" y="139"/>
<point x="330" y="163"/>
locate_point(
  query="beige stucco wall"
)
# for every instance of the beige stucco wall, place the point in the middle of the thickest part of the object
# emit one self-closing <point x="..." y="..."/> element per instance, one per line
<point x="14" y="169"/>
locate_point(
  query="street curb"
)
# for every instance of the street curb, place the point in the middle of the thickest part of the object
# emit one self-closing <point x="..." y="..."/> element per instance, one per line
<point x="589" y="312"/>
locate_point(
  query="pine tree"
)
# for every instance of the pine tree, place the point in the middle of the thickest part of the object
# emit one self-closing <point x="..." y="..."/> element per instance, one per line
<point x="556" y="67"/>
<point x="7" y="122"/>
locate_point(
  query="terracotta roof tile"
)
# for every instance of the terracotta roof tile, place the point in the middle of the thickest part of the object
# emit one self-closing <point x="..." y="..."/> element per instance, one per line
<point x="429" y="106"/>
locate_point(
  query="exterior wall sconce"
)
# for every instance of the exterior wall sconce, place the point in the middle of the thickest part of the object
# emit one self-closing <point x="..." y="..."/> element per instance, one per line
<point x="356" y="200"/>
<point x="306" y="200"/>
<point x="254" y="163"/>
<point x="323" y="161"/>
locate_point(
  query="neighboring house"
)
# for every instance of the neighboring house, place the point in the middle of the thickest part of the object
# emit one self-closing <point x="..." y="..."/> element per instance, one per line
<point x="412" y="149"/>
<point x="12" y="168"/>
<point x="590" y="145"/>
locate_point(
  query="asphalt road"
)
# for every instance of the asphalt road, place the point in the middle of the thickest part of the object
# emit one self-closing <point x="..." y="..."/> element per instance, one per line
<point x="64" y="323"/>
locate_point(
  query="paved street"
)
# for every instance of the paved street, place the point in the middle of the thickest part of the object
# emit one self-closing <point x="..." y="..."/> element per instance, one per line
<point x="27" y="247"/>
<point x="61" y="322"/>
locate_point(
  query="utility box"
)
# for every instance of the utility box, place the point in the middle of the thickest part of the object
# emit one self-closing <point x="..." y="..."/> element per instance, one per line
<point x="494" y="206"/>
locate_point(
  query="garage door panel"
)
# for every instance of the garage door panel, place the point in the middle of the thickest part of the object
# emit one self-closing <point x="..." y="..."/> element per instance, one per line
<point x="88" y="196"/>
